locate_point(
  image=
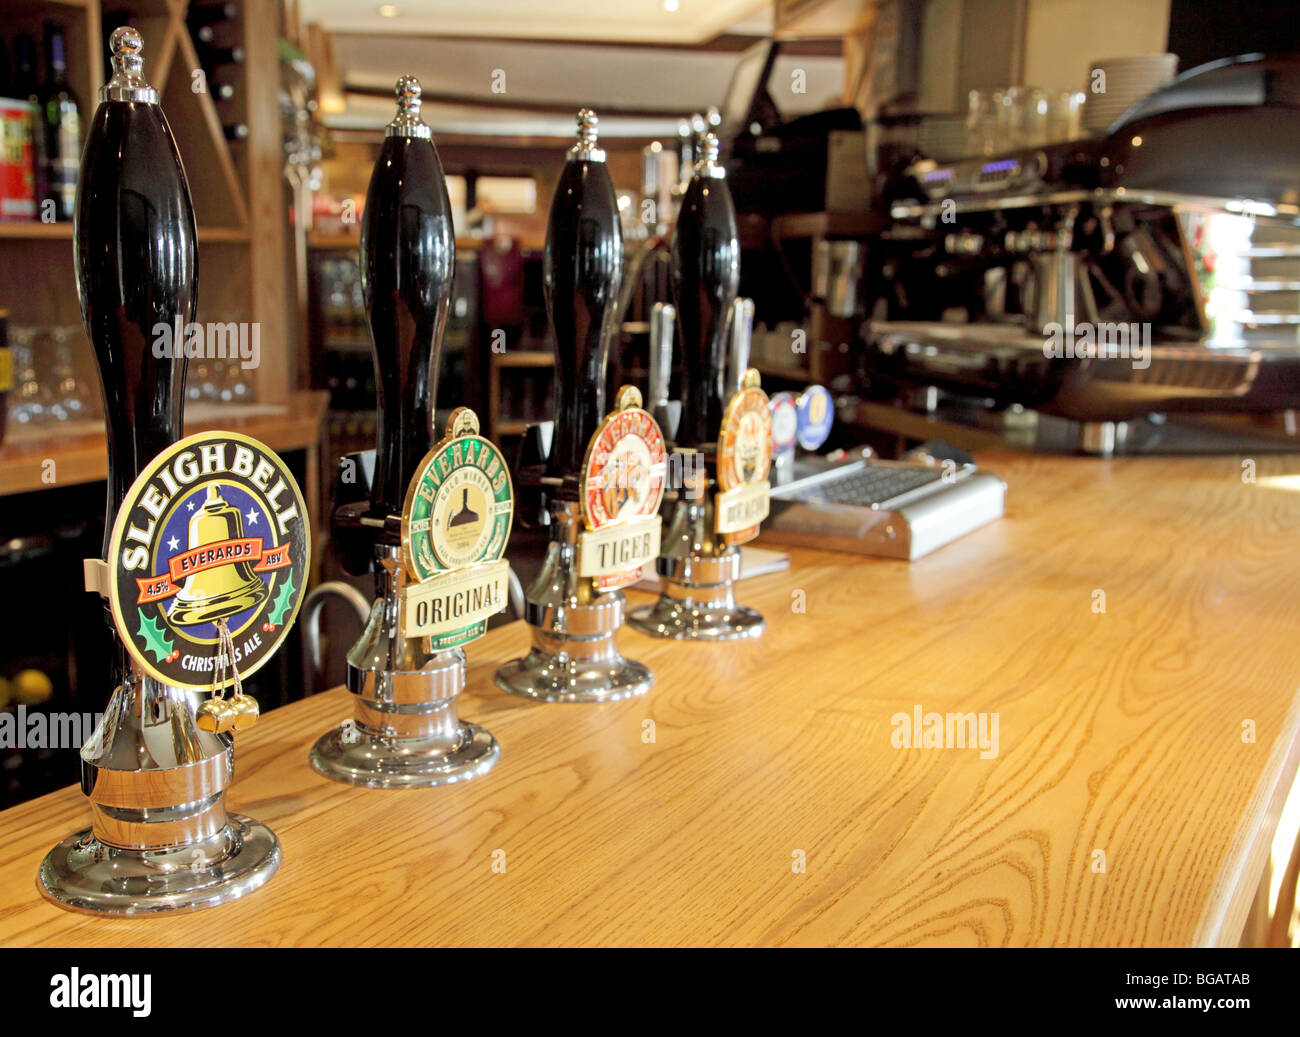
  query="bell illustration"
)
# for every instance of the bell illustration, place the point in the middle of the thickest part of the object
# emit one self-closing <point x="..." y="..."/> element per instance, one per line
<point x="223" y="590"/>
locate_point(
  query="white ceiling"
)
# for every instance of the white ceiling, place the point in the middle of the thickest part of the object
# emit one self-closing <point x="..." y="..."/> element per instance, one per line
<point x="524" y="39"/>
<point x="638" y="79"/>
<point x="640" y="21"/>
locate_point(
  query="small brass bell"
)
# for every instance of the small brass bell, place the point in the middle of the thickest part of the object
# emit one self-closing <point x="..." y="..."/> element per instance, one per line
<point x="244" y="710"/>
<point x="219" y="713"/>
<point x="216" y="715"/>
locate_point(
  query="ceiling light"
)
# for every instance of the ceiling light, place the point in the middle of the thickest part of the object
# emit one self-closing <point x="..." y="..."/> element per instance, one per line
<point x="387" y="11"/>
<point x="671" y="5"/>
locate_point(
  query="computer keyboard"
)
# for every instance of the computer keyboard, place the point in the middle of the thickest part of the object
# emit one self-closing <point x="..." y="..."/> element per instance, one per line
<point x="869" y="485"/>
<point x="890" y="509"/>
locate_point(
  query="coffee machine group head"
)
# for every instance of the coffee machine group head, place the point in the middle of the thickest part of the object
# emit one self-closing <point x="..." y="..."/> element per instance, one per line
<point x="206" y="546"/>
<point x="438" y="515"/>
<point x="604" y="475"/>
<point x="723" y="435"/>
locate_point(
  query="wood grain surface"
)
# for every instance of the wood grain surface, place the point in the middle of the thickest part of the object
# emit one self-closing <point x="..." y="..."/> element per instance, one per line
<point x="1119" y="732"/>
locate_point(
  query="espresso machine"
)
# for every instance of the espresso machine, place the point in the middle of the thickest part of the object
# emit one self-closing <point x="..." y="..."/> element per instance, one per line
<point x="723" y="433"/>
<point x="206" y="547"/>
<point x="602" y="481"/>
<point x="435" y="524"/>
<point x="1110" y="283"/>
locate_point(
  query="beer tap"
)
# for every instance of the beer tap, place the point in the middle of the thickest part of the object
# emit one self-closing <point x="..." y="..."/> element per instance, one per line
<point x="157" y="767"/>
<point x="740" y="322"/>
<point x="438" y="515"/>
<point x="662" y="317"/>
<point x="723" y="434"/>
<point x="603" y="479"/>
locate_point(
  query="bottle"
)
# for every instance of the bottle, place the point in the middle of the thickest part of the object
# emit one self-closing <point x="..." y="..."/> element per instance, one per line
<point x="61" y="126"/>
<point x="25" y="90"/>
<point x="6" y="376"/>
<point x="211" y="57"/>
<point x="17" y="182"/>
<point x="203" y="19"/>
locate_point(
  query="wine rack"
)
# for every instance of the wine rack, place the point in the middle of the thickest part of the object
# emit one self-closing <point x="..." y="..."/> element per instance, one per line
<point x="237" y="185"/>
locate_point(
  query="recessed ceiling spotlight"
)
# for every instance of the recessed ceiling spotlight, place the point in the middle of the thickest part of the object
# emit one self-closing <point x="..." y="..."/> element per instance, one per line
<point x="671" y="5"/>
<point x="387" y="11"/>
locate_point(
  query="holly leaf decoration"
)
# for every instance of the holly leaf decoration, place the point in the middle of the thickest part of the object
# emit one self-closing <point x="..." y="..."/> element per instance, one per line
<point x="283" y="601"/>
<point x="155" y="638"/>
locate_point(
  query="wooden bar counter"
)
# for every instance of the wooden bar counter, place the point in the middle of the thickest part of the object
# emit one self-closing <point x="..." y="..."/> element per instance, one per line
<point x="755" y="796"/>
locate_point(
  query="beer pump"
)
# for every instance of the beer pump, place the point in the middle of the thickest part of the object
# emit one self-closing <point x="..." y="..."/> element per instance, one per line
<point x="663" y="316"/>
<point x="724" y="431"/>
<point x="205" y="552"/>
<point x="603" y="479"/>
<point x="437" y="519"/>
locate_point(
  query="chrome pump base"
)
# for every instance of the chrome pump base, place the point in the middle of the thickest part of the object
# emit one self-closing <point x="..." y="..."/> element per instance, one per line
<point x="86" y="874"/>
<point x="357" y="757"/>
<point x="563" y="668"/>
<point x="697" y="577"/>
<point x="405" y="732"/>
<point x="160" y="838"/>
<point x="575" y="655"/>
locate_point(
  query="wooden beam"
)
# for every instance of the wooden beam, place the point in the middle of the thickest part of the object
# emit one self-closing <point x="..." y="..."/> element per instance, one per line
<point x="267" y="204"/>
<point x="821" y="19"/>
<point x="513" y="103"/>
<point x="479" y="141"/>
<point x="727" y="43"/>
<point x="857" y="64"/>
<point x="320" y="52"/>
<point x="293" y="30"/>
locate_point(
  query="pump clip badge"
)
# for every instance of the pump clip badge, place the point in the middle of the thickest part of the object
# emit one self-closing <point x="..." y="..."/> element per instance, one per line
<point x="815" y="416"/>
<point x="744" y="459"/>
<point x="623" y="478"/>
<point x="212" y="544"/>
<point x="455" y="524"/>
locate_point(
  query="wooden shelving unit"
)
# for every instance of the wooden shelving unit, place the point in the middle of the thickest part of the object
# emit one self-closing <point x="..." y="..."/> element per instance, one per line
<point x="339" y="242"/>
<point x="518" y="359"/>
<point x="524" y="358"/>
<point x="63" y="232"/>
<point x="788" y="373"/>
<point x="817" y="225"/>
<point x="333" y="242"/>
<point x="36" y="231"/>
<point x="237" y="188"/>
<point x="828" y="336"/>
